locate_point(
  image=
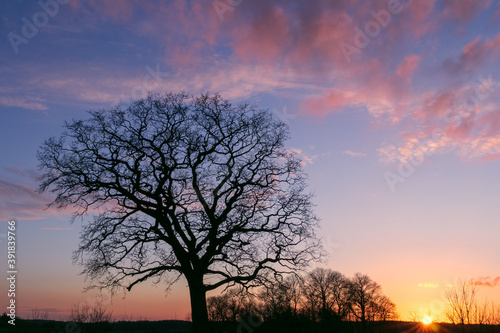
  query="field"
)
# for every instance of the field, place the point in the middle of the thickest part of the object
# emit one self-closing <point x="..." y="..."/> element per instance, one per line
<point x="177" y="326"/>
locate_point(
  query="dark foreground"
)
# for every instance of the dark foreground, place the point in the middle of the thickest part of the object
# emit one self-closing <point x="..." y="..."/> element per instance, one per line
<point x="249" y="326"/>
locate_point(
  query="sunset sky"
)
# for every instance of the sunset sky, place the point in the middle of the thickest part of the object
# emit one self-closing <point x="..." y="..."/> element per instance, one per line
<point x="394" y="107"/>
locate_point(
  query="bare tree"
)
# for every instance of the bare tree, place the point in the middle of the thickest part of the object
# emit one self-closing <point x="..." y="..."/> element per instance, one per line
<point x="219" y="308"/>
<point x="190" y="186"/>
<point x="364" y="294"/>
<point x="461" y="303"/>
<point x="233" y="304"/>
<point x="37" y="314"/>
<point x="282" y="298"/>
<point x="482" y="314"/>
<point x="86" y="313"/>
<point x="385" y="309"/>
<point x="326" y="293"/>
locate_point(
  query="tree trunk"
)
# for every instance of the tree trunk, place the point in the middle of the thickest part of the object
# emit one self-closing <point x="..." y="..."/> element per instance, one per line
<point x="199" y="313"/>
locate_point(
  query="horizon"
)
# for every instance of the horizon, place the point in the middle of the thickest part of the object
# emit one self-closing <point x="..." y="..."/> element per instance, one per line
<point x="393" y="107"/>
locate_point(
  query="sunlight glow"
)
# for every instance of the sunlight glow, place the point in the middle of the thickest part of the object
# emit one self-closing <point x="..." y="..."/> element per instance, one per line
<point x="427" y="320"/>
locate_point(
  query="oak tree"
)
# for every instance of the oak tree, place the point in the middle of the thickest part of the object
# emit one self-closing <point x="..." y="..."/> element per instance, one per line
<point x="175" y="186"/>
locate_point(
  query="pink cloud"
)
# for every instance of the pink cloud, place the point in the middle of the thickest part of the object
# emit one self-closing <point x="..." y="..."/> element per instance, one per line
<point x="435" y="105"/>
<point x="22" y="102"/>
<point x="462" y="143"/>
<point x="332" y="101"/>
<point x="407" y="68"/>
<point x="463" y="129"/>
<point x="420" y="12"/>
<point x="474" y="54"/>
<point x="385" y="96"/>
<point x="486" y="281"/>
<point x="461" y="119"/>
<point x="21" y="202"/>
<point x="490" y="157"/>
<point x="266" y="39"/>
<point x="317" y="43"/>
<point x="465" y="10"/>
<point x="490" y="122"/>
<point x="306" y="158"/>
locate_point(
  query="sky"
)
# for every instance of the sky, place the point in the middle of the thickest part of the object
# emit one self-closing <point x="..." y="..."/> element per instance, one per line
<point x="392" y="105"/>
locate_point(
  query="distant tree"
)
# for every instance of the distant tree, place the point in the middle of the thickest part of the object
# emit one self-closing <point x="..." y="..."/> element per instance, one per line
<point x="191" y="186"/>
<point x="231" y="305"/>
<point x="36" y="314"/>
<point x="84" y="313"/>
<point x="364" y="294"/>
<point x="385" y="309"/>
<point x="461" y="302"/>
<point x="495" y="315"/>
<point x="326" y="294"/>
<point x="218" y="308"/>
<point x="281" y="299"/>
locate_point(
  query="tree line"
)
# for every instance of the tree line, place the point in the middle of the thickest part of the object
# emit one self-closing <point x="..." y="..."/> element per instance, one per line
<point x="322" y="295"/>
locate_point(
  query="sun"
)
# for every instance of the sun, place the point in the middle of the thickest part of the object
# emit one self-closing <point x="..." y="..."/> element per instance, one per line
<point x="427" y="320"/>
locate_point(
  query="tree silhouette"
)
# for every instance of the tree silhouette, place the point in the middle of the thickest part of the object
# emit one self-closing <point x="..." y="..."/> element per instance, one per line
<point x="326" y="292"/>
<point x="191" y="186"/>
<point x="282" y="298"/>
<point x="385" y="309"/>
<point x="233" y="304"/>
<point x="364" y="294"/>
<point x="462" y="303"/>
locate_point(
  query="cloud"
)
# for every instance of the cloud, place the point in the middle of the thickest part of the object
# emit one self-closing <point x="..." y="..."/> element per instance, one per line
<point x="420" y="13"/>
<point x="490" y="157"/>
<point x="408" y="66"/>
<point x="306" y="158"/>
<point x="464" y="11"/>
<point x="47" y="228"/>
<point x="429" y="284"/>
<point x="21" y="202"/>
<point x="271" y="46"/>
<point x="435" y="105"/>
<point x="476" y="53"/>
<point x="486" y="281"/>
<point x="386" y="96"/>
<point x="462" y="118"/>
<point x="353" y="153"/>
<point x="50" y="310"/>
<point x="266" y="38"/>
<point x="25" y="103"/>
<point x="332" y="100"/>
